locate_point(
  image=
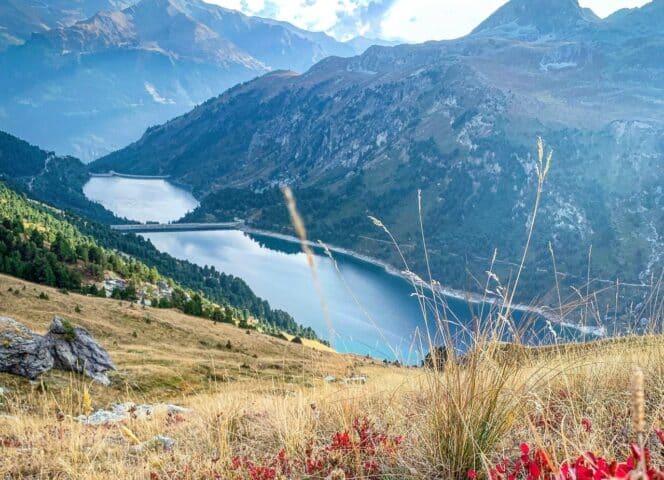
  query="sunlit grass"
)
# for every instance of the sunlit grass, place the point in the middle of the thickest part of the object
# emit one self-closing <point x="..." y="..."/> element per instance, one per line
<point x="254" y="398"/>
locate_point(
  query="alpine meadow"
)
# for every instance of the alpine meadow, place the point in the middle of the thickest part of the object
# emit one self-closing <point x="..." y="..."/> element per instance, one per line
<point x="283" y="240"/>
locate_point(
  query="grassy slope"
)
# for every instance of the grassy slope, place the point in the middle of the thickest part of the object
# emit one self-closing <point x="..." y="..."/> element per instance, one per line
<point x="266" y="394"/>
<point x="171" y="354"/>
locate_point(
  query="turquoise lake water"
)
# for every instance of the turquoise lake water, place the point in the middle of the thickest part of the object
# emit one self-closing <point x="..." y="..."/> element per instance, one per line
<point x="357" y="305"/>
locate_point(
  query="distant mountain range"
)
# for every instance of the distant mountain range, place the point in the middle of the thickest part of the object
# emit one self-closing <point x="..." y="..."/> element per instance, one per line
<point x="458" y="120"/>
<point x="86" y="78"/>
<point x="19" y="19"/>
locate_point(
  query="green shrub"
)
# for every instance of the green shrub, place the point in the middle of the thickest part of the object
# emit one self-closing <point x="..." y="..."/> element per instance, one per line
<point x="70" y="332"/>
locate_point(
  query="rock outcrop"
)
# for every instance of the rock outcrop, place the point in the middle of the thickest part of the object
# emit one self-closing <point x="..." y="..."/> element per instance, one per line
<point x="23" y="352"/>
<point x="74" y="349"/>
<point x="121" y="412"/>
<point x="64" y="347"/>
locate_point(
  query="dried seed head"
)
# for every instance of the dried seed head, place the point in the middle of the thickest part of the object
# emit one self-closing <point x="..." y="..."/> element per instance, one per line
<point x="87" y="402"/>
<point x="129" y="435"/>
<point x="638" y="404"/>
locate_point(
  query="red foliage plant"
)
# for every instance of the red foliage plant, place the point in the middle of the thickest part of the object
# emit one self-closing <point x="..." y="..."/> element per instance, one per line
<point x="362" y="452"/>
<point x="536" y="465"/>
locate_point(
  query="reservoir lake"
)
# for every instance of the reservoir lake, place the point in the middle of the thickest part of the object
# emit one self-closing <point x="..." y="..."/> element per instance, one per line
<point x="357" y="305"/>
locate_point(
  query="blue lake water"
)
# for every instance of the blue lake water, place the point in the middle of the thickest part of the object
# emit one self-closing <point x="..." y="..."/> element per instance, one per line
<point x="140" y="200"/>
<point x="357" y="305"/>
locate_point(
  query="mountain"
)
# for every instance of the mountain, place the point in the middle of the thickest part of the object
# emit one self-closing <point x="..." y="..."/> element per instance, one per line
<point x="458" y="120"/>
<point x="89" y="88"/>
<point x="360" y="44"/>
<point x="533" y="19"/>
<point x="644" y="21"/>
<point x="45" y="176"/>
<point x="19" y="19"/>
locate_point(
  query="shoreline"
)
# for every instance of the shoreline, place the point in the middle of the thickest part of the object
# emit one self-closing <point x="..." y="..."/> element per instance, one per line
<point x="126" y="175"/>
<point x="414" y="279"/>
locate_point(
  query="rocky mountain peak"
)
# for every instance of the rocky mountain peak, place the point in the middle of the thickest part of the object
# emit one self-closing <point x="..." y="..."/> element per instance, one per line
<point x="646" y="20"/>
<point x="533" y="19"/>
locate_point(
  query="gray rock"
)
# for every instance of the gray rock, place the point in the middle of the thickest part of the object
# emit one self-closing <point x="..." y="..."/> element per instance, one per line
<point x="77" y="351"/>
<point x="103" y="417"/>
<point x="25" y="353"/>
<point x="121" y="412"/>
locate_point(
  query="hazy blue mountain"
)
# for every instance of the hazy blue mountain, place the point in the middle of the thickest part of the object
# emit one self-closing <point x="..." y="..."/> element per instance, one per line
<point x="360" y="44"/>
<point x="457" y="119"/>
<point x="89" y="88"/>
<point x="534" y="19"/>
<point x="19" y="19"/>
<point x="637" y="22"/>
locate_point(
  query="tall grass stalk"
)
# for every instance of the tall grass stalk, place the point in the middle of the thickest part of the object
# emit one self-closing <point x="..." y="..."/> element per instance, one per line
<point x="474" y="397"/>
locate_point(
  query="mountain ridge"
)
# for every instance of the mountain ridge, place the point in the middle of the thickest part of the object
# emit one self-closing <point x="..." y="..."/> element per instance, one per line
<point x="20" y="19"/>
<point x="98" y="83"/>
<point x="531" y="19"/>
<point x="455" y="119"/>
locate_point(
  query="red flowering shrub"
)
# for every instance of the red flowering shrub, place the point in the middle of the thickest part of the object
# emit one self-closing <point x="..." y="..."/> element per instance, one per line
<point x="536" y="465"/>
<point x="360" y="453"/>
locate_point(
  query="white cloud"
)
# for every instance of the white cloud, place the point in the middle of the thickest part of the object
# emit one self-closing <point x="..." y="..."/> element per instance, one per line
<point x="604" y="8"/>
<point x="411" y="20"/>
<point x="421" y="20"/>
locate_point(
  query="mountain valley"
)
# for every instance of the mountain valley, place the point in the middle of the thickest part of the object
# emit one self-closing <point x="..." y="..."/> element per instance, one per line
<point x="458" y="120"/>
<point x="97" y="82"/>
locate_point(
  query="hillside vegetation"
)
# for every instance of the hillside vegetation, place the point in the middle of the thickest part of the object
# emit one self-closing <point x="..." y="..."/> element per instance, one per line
<point x="259" y="407"/>
<point x="54" y="248"/>
<point x="454" y="119"/>
<point x="49" y="178"/>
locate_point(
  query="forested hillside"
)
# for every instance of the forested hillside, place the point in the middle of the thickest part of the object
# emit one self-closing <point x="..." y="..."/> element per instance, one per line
<point x="43" y="175"/>
<point x="458" y="121"/>
<point x="54" y="248"/>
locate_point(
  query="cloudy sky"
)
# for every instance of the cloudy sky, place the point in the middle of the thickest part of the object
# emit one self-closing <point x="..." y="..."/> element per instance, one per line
<point x="410" y="20"/>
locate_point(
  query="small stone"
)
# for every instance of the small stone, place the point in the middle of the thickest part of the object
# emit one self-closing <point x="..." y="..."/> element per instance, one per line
<point x="162" y="441"/>
<point x="121" y="412"/>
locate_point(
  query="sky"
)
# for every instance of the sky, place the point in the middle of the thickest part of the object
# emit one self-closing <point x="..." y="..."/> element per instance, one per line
<point x="408" y="20"/>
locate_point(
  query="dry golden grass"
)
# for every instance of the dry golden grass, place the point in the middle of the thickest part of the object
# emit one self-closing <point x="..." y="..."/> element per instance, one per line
<point x="465" y="417"/>
<point x="165" y="354"/>
<point x="262" y="396"/>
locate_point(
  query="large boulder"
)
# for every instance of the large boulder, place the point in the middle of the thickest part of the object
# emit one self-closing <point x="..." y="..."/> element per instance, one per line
<point x="23" y="352"/>
<point x="74" y="349"/>
<point x="65" y="347"/>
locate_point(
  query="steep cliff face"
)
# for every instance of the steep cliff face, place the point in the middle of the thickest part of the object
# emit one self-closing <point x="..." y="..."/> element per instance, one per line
<point x="458" y="120"/>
